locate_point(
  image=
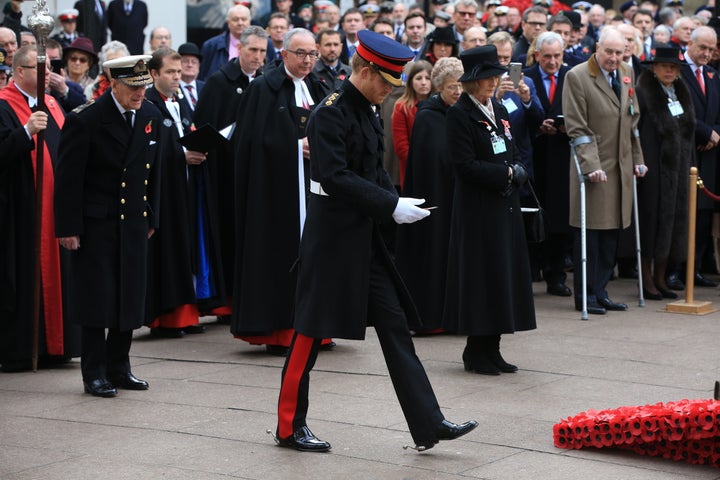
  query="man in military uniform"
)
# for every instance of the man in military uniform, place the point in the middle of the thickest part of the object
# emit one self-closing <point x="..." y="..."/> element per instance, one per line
<point x="106" y="208"/>
<point x="68" y="24"/>
<point x="346" y="277"/>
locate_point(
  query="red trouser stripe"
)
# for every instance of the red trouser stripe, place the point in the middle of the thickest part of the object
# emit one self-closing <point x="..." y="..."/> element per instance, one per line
<point x="297" y="363"/>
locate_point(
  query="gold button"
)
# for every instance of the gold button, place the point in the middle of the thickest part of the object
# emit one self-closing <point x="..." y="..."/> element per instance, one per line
<point x="124" y="169"/>
<point x="122" y="217"/>
<point x="144" y="214"/>
<point x="122" y="201"/>
<point x="147" y="165"/>
<point x="145" y="182"/>
<point x="122" y="184"/>
<point x="145" y="197"/>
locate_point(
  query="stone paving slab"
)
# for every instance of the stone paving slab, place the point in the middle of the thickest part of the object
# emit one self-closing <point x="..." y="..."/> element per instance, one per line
<point x="212" y="398"/>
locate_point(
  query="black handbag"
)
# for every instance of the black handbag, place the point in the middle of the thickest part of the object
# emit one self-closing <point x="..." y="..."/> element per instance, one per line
<point x="534" y="220"/>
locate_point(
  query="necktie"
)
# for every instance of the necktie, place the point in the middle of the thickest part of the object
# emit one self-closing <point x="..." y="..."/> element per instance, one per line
<point x="553" y="87"/>
<point x="129" y="118"/>
<point x="614" y="83"/>
<point x="351" y="50"/>
<point x="193" y="100"/>
<point x="700" y="80"/>
<point x="98" y="9"/>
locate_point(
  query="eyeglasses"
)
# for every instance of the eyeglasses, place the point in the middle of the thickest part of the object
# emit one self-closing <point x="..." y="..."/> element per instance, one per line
<point x="78" y="59"/>
<point x="29" y="67"/>
<point x="301" y="54"/>
<point x="465" y="14"/>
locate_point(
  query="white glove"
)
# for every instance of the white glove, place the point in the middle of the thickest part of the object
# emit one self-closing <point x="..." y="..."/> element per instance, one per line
<point x="407" y="212"/>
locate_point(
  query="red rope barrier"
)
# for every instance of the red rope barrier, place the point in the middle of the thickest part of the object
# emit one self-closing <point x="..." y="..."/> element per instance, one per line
<point x="707" y="192"/>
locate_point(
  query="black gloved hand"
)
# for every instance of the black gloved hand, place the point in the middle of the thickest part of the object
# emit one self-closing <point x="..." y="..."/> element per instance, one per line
<point x="520" y="175"/>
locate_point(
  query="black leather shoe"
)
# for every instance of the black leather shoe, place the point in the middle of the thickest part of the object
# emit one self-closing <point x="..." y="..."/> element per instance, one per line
<point x="100" y="388"/>
<point x="194" y="329"/>
<point x="652" y="296"/>
<point x="303" y="440"/>
<point x="674" y="283"/>
<point x="608" y="304"/>
<point x="592" y="308"/>
<point x="129" y="381"/>
<point x="559" y="289"/>
<point x="701" y="281"/>
<point x="480" y="364"/>
<point x="450" y="431"/>
<point x="277" y="350"/>
<point x="667" y="293"/>
<point x="164" y="332"/>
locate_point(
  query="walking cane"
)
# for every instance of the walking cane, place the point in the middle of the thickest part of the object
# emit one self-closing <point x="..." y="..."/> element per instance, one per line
<point x="583" y="240"/>
<point x="641" y="295"/>
<point x="41" y="24"/>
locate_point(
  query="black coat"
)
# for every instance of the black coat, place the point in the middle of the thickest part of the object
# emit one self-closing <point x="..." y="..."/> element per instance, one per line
<point x="17" y="242"/>
<point x="173" y="250"/>
<point x="489" y="287"/>
<point x="343" y="229"/>
<point x="422" y="247"/>
<point x="551" y="157"/>
<point x="92" y="25"/>
<point x="707" y="120"/>
<point x="668" y="149"/>
<point x="107" y="192"/>
<point x="129" y="29"/>
<point x="267" y="219"/>
<point x="218" y="105"/>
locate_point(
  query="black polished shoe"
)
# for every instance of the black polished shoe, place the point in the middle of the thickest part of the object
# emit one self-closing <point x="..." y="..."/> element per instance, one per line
<point x="224" y="319"/>
<point x="100" y="388"/>
<point x="450" y="431"/>
<point x="652" y="296"/>
<point x="195" y="329"/>
<point x="608" y="304"/>
<point x="667" y="293"/>
<point x="701" y="281"/>
<point x="674" y="283"/>
<point x="303" y="440"/>
<point x="128" y="381"/>
<point x="592" y="308"/>
<point x="164" y="332"/>
<point x="277" y="350"/>
<point x="559" y="289"/>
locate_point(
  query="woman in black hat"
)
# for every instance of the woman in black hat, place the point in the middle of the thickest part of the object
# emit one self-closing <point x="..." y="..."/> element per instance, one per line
<point x="667" y="135"/>
<point x="442" y="42"/>
<point x="489" y="287"/>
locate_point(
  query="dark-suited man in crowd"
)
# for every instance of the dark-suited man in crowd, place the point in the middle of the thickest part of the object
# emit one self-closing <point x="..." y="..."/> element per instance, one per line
<point x="551" y="160"/>
<point x="278" y="26"/>
<point x="271" y="156"/>
<point x="190" y="59"/>
<point x="601" y="117"/>
<point x="346" y="276"/>
<point x="533" y="24"/>
<point x="328" y="67"/>
<point x="218" y="106"/>
<point x="127" y="20"/>
<point x="106" y="208"/>
<point x="220" y="49"/>
<point x="704" y="85"/>
<point x="92" y="21"/>
<point x="19" y="125"/>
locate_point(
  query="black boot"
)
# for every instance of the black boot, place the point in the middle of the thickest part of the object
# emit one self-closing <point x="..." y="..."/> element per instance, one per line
<point x="498" y="360"/>
<point x="476" y="356"/>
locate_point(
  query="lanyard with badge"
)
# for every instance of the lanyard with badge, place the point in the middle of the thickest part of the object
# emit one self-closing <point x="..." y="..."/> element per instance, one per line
<point x="675" y="108"/>
<point x="497" y="142"/>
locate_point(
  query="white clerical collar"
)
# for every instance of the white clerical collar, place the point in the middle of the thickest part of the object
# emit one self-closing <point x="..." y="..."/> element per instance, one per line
<point x="293" y="76"/>
<point x="32" y="101"/>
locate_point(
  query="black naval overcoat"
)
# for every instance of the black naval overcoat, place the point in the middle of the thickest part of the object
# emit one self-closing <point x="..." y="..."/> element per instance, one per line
<point x="107" y="192"/>
<point x="489" y="287"/>
<point x="267" y="219"/>
<point x="343" y="228"/>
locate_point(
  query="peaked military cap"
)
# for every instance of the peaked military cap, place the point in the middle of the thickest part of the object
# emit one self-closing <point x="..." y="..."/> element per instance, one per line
<point x="385" y="54"/>
<point x="131" y="70"/>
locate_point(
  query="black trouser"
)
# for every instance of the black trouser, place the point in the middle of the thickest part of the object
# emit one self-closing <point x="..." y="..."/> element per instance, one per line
<point x="555" y="248"/>
<point x="103" y="357"/>
<point x="601" y="248"/>
<point x="408" y="376"/>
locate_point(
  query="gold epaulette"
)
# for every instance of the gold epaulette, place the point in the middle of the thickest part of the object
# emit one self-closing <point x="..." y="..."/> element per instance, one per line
<point x="329" y="101"/>
<point x="83" y="106"/>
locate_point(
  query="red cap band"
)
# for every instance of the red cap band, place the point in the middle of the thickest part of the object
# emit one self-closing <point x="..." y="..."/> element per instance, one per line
<point x="377" y="60"/>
